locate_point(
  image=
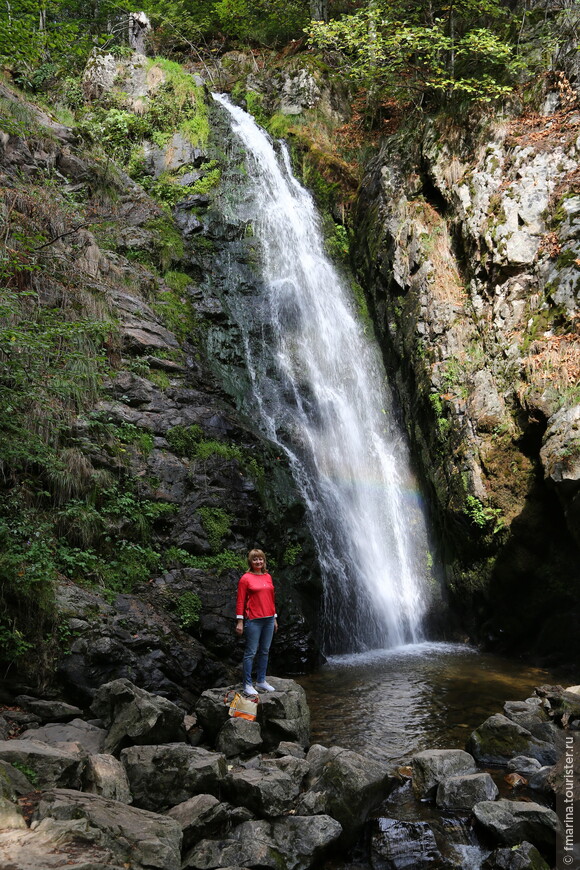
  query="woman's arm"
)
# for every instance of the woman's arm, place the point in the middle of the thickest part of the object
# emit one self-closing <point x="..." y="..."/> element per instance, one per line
<point x="241" y="604"/>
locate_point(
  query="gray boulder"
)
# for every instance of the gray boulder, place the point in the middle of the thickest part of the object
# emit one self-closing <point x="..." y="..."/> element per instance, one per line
<point x="4" y="729"/>
<point x="239" y="737"/>
<point x="13" y="781"/>
<point x="521" y="857"/>
<point x="344" y="785"/>
<point x="131" y="836"/>
<point x="265" y="791"/>
<point x="400" y="845"/>
<point x="463" y="792"/>
<point x="89" y="737"/>
<point x="511" y="822"/>
<point x="49" y="711"/>
<point x="297" y="768"/>
<point x="284" y="714"/>
<point x="11" y="817"/>
<point x="161" y="777"/>
<point x="53" y="845"/>
<point x="498" y="739"/>
<point x="106" y="776"/>
<point x="52" y="766"/>
<point x="136" y="717"/>
<point x="434" y="765"/>
<point x="291" y="843"/>
<point x="286" y="747"/>
<point x="531" y="716"/>
<point x="211" y="711"/>
<point x="524" y="765"/>
<point x="200" y="817"/>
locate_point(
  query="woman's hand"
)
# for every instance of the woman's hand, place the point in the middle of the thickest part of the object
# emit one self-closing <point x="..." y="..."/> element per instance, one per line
<point x="239" y="626"/>
<point x="275" y="625"/>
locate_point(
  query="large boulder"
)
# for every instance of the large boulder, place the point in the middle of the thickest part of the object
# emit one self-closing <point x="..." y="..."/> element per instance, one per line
<point x="498" y="739"/>
<point x="50" y="766"/>
<point x="106" y="776"/>
<point x="297" y="768"/>
<point x="402" y="845"/>
<point x="434" y="765"/>
<point x="161" y="777"/>
<point x="284" y="714"/>
<point x="201" y="817"/>
<point x="89" y="737"/>
<point x="11" y="817"/>
<point x="136" y="717"/>
<point x="511" y="822"/>
<point x="343" y="784"/>
<point x="291" y="843"/>
<point x="266" y="791"/>
<point x="239" y="737"/>
<point x="133" y="837"/>
<point x="212" y="712"/>
<point x="13" y="781"/>
<point x="463" y="792"/>
<point x="49" y="711"/>
<point x="531" y="715"/>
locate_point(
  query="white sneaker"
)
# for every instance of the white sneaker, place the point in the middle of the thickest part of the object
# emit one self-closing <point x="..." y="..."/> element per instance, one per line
<point x="249" y="689"/>
<point x="266" y="687"/>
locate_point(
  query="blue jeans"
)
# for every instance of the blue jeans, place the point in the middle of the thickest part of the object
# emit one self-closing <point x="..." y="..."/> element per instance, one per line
<point x="258" y="634"/>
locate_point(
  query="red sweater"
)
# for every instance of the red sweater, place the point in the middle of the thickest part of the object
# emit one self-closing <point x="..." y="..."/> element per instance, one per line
<point x="255" y="597"/>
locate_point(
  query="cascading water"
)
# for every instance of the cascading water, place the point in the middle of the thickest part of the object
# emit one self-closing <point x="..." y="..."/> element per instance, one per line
<point x="327" y="405"/>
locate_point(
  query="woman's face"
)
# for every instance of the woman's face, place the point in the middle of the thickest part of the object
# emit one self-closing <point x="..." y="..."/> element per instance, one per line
<point x="257" y="564"/>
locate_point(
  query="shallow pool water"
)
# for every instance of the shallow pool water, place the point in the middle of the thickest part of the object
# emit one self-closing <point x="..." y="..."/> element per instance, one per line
<point x="393" y="703"/>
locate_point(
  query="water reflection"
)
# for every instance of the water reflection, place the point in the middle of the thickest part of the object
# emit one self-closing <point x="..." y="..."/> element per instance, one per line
<point x="393" y="703"/>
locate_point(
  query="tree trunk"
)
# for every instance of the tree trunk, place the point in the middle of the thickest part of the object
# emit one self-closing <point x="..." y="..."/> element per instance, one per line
<point x="319" y="10"/>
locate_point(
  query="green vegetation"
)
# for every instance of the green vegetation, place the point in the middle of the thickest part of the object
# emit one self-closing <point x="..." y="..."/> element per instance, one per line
<point x="216" y="523"/>
<point x="485" y="517"/>
<point x="188" y="609"/>
<point x="434" y="51"/>
<point x="443" y="423"/>
<point x="226" y="560"/>
<point x="189" y="441"/>
<point x="291" y="554"/>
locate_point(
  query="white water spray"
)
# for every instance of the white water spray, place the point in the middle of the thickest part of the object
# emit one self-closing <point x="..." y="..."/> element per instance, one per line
<point x="329" y="408"/>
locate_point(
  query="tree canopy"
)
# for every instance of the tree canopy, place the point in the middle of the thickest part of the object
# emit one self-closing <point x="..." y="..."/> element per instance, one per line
<point x="410" y="47"/>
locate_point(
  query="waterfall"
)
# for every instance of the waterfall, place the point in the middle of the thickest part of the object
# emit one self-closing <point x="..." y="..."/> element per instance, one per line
<point x="321" y="393"/>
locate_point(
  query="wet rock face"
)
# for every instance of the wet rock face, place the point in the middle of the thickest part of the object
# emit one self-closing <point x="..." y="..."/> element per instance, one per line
<point x="467" y="245"/>
<point x="399" y="845"/>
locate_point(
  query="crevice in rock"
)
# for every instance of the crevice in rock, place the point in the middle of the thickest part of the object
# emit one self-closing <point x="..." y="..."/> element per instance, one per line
<point x="432" y="194"/>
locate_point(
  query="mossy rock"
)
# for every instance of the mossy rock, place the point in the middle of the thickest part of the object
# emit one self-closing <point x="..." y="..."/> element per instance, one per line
<point x="499" y="739"/>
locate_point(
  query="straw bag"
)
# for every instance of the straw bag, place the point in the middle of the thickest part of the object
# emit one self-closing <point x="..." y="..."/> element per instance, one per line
<point x="240" y="707"/>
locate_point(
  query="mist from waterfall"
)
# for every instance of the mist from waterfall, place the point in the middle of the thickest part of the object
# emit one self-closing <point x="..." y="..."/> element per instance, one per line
<point x="321" y="393"/>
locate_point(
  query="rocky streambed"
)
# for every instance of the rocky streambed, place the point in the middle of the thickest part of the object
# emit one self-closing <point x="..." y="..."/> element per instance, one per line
<point x="143" y="785"/>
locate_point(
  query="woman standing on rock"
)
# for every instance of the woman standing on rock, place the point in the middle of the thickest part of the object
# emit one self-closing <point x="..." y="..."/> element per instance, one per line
<point x="256" y="620"/>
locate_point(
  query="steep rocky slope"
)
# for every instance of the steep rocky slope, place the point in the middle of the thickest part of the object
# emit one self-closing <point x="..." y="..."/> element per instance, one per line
<point x="149" y="487"/>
